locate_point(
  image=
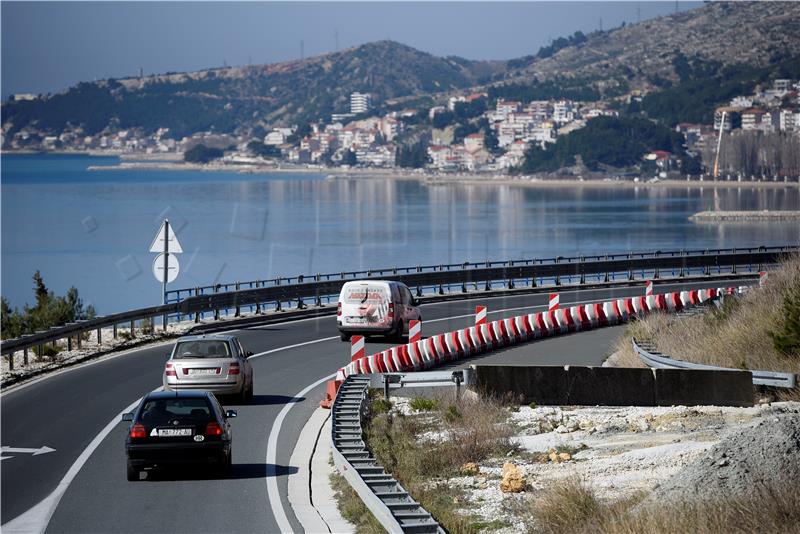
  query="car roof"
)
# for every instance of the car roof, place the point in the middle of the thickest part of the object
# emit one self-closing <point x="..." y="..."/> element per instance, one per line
<point x="207" y="337"/>
<point x="369" y="281"/>
<point x="189" y="394"/>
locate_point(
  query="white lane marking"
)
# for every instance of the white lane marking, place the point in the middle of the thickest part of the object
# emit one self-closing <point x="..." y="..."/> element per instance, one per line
<point x="35" y="520"/>
<point x="287" y="347"/>
<point x="32" y="452"/>
<point x="273" y="496"/>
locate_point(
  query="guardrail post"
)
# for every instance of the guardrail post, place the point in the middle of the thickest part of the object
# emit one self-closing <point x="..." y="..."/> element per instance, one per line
<point x="197" y="313"/>
<point x="488" y="286"/>
<point x="464" y="282"/>
<point x="386" y="386"/>
<point x="69" y="343"/>
<point x="300" y="304"/>
<point x="558" y="278"/>
<point x="114" y="331"/>
<point x="11" y="362"/>
<point x="318" y="301"/>
<point x="133" y="328"/>
<point x="99" y="336"/>
<point x="278" y="303"/>
<point x="733" y="267"/>
<point x="25" y="357"/>
<point x="511" y="276"/>
<point x="216" y="310"/>
<point x="656" y="274"/>
<point x="237" y="312"/>
<point x="441" y="288"/>
<point x="78" y="337"/>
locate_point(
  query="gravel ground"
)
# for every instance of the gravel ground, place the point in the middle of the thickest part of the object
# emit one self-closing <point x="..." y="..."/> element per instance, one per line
<point x="765" y="453"/>
<point x="620" y="452"/>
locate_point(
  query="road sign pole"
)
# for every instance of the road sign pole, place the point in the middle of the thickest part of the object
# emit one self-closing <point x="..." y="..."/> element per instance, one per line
<point x="166" y="261"/>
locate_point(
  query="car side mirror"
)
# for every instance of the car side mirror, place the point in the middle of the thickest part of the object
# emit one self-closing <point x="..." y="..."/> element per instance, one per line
<point x="248" y="353"/>
<point x="230" y="413"/>
<point x="127" y="416"/>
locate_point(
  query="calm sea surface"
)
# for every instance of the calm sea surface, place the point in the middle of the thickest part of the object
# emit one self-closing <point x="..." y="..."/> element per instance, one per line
<point x="93" y="229"/>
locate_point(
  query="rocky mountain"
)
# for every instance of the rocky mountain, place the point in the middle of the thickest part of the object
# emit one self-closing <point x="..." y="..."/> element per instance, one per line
<point x="753" y="33"/>
<point x="606" y="64"/>
<point x="275" y="94"/>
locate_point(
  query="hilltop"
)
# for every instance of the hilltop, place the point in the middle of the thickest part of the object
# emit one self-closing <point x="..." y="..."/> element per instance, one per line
<point x="614" y="66"/>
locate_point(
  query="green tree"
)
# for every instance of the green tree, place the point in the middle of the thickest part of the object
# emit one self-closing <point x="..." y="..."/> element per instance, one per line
<point x="50" y="310"/>
<point x="257" y="148"/>
<point x="787" y="339"/>
<point x="349" y="158"/>
<point x="202" y="154"/>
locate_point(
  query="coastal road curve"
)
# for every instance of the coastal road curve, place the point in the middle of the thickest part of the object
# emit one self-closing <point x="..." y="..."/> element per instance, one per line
<point x="68" y="410"/>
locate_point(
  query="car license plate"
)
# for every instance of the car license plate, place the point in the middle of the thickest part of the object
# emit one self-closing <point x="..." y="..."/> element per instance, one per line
<point x="174" y="432"/>
<point x="202" y="371"/>
<point x="356" y="320"/>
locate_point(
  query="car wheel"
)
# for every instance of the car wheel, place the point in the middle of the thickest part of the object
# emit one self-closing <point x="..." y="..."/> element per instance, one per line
<point x="243" y="394"/>
<point x="398" y="335"/>
<point x="344" y="336"/>
<point x="224" y="466"/>
<point x="250" y="390"/>
<point x="133" y="473"/>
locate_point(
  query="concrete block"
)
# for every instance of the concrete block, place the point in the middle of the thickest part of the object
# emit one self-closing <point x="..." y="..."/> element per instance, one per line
<point x="540" y="384"/>
<point x="610" y="386"/>
<point x="700" y="386"/>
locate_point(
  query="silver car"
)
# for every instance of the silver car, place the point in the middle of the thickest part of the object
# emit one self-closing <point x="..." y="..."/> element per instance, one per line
<point x="214" y="363"/>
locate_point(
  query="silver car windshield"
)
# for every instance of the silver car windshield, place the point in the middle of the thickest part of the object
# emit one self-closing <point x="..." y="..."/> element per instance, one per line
<point x="202" y="349"/>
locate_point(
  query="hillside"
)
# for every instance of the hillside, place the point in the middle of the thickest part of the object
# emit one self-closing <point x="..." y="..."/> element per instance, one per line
<point x="275" y="94"/>
<point x="644" y="57"/>
<point x="642" y="54"/>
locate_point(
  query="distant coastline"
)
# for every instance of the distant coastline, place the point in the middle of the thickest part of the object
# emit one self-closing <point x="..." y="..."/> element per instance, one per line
<point x="434" y="178"/>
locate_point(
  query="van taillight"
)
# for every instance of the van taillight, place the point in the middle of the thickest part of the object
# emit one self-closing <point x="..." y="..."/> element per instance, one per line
<point x="169" y="370"/>
<point x="391" y="310"/>
<point x="339" y="310"/>
<point x="138" y="431"/>
<point x="233" y="369"/>
<point x="213" y="429"/>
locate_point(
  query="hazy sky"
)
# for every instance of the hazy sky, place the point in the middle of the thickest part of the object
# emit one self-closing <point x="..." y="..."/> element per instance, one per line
<point x="48" y="46"/>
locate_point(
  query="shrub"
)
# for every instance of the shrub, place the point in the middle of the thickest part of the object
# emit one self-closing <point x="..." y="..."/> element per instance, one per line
<point x="421" y="404"/>
<point x="786" y="340"/>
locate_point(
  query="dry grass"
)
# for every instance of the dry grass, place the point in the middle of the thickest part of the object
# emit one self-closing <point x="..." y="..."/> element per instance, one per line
<point x="738" y="336"/>
<point x="353" y="508"/>
<point x="571" y="507"/>
<point x="468" y="430"/>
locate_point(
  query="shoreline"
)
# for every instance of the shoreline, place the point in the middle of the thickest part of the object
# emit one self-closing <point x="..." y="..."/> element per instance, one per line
<point x="434" y="179"/>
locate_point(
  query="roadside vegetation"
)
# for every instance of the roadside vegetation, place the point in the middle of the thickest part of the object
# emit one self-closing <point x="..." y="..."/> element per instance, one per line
<point x="436" y="441"/>
<point x="50" y="310"/>
<point x="758" y="330"/>
<point x="571" y="507"/>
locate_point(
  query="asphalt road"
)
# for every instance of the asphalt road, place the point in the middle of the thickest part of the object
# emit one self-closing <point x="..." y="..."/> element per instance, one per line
<point x="66" y="412"/>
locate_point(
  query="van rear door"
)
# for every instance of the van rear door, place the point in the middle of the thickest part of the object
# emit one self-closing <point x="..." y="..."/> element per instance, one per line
<point x="366" y="304"/>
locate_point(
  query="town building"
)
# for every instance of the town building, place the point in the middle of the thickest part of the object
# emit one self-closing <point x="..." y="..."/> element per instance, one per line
<point x="360" y="103"/>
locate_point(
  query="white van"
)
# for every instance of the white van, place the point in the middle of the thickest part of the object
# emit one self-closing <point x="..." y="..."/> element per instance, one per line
<point x="369" y="307"/>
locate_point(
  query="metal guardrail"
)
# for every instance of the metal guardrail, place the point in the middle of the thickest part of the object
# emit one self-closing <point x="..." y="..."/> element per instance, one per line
<point x="510" y="275"/>
<point x="388" y="501"/>
<point x="545" y="270"/>
<point x="655" y="359"/>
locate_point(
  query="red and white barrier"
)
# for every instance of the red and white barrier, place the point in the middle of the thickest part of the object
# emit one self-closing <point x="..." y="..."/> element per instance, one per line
<point x="414" y="331"/>
<point x="648" y="288"/>
<point x="356" y="347"/>
<point x="762" y="278"/>
<point x="480" y="315"/>
<point x="419" y="354"/>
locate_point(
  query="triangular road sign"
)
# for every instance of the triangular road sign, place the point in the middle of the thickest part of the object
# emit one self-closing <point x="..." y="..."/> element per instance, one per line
<point x="158" y="242"/>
